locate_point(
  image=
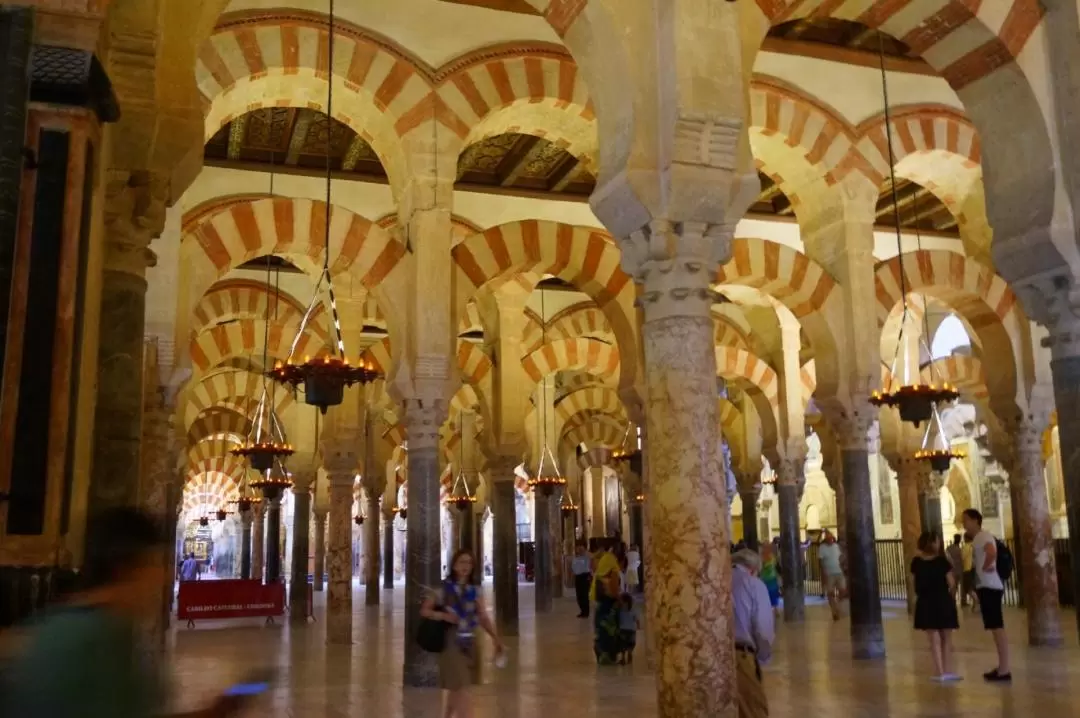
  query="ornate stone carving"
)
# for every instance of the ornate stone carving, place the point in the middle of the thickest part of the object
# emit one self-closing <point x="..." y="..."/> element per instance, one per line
<point x="707" y="140"/>
<point x="134" y="216"/>
<point x="340" y="459"/>
<point x="424" y="417"/>
<point x="854" y="424"/>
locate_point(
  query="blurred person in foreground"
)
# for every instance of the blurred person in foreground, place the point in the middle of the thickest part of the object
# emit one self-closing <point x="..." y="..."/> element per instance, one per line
<point x="81" y="659"/>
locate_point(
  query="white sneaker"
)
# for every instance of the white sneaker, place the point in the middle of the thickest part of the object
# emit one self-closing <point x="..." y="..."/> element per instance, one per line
<point x="952" y="677"/>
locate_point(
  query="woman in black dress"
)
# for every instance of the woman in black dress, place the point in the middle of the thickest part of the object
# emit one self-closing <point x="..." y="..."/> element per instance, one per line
<point x="935" y="607"/>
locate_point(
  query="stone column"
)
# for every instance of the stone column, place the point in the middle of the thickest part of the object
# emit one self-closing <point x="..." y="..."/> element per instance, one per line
<point x="542" y="555"/>
<point x="134" y="215"/>
<point x="910" y="475"/>
<point x="1038" y="570"/>
<point x="245" y="543"/>
<point x="320" y="549"/>
<point x="504" y="555"/>
<point x="424" y="416"/>
<point x="258" y="538"/>
<point x="371" y="545"/>
<point x="555" y="522"/>
<point x="689" y="585"/>
<point x="749" y="498"/>
<point x="340" y="460"/>
<point x="930" y="483"/>
<point x="388" y="549"/>
<point x="789" y="479"/>
<point x="273" y="539"/>
<point x="853" y="424"/>
<point x="298" y="585"/>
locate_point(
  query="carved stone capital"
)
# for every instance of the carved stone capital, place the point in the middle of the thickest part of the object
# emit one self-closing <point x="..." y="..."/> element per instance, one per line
<point x="854" y="423"/>
<point x="1053" y="300"/>
<point x="303" y="480"/>
<point x="341" y="459"/>
<point x="423" y="419"/>
<point x="134" y="217"/>
<point x="791" y="470"/>
<point x="909" y="470"/>
<point x="501" y="468"/>
<point x="676" y="263"/>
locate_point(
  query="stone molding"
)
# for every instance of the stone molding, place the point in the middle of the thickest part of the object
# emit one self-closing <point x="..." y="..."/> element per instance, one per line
<point x="707" y="141"/>
<point x="423" y="419"/>
<point x="134" y="217"/>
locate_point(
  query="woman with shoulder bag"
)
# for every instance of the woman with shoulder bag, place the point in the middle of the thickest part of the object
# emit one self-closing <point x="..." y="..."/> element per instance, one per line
<point x="459" y="603"/>
<point x="606" y="590"/>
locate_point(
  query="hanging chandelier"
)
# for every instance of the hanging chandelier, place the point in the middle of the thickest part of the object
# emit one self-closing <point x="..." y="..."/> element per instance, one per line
<point x="547" y="476"/>
<point x="273" y="482"/>
<point x="244" y="503"/>
<point x="204" y="521"/>
<point x="359" y="519"/>
<point x="567" y="505"/>
<point x="624" y="455"/>
<point x="936" y="449"/>
<point x="460" y="496"/>
<point x="222" y="514"/>
<point x="324" y="378"/>
<point x="915" y="399"/>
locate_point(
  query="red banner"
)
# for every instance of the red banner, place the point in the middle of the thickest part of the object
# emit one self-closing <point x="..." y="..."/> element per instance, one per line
<point x="236" y="598"/>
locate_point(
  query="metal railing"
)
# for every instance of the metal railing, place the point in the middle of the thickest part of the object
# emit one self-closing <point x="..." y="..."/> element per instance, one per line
<point x="893" y="572"/>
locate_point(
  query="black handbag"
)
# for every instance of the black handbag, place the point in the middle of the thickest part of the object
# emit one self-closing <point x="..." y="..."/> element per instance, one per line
<point x="431" y="633"/>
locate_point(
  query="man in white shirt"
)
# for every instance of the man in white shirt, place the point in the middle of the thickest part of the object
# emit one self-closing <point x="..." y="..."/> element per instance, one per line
<point x="754" y="632"/>
<point x="832" y="572"/>
<point x="581" y="566"/>
<point x="990" y="590"/>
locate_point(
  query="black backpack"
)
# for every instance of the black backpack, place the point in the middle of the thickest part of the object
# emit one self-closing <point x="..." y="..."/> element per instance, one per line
<point x="1005" y="562"/>
<point x="431" y="635"/>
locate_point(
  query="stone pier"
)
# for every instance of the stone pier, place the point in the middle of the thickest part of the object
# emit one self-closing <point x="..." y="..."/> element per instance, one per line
<point x="504" y="536"/>
<point x="320" y="549"/>
<point x="340" y="461"/>
<point x="542" y="556"/>
<point x="298" y="585"/>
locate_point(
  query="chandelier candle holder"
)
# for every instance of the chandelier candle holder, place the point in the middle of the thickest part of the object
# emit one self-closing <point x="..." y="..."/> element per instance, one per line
<point x="460" y="497"/>
<point x="244" y="503"/>
<point x="915" y="402"/>
<point x="324" y="379"/>
<point x="936" y="449"/>
<point x="547" y="477"/>
<point x="639" y="499"/>
<point x="222" y="514"/>
<point x="272" y="484"/>
<point x="204" y="521"/>
<point x="567" y="505"/>
<point x="358" y="520"/>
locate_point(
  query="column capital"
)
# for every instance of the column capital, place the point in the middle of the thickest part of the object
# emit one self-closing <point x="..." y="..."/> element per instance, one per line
<point x="341" y="459"/>
<point x="320" y="512"/>
<point x="501" y="468"/>
<point x="854" y="423"/>
<point x="751" y="490"/>
<point x="134" y="217"/>
<point x="1053" y="300"/>
<point x="303" y="480"/>
<point x="676" y="263"/>
<point x="423" y="419"/>
<point x="791" y="470"/>
<point x="908" y="469"/>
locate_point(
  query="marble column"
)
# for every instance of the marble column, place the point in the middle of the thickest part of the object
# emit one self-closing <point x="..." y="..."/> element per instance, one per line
<point x="320" y="549"/>
<point x="258" y="538"/>
<point x="1036" y="559"/>
<point x="245" y="543"/>
<point x="853" y="425"/>
<point x="749" y="515"/>
<point x="542" y="555"/>
<point x="273" y="539"/>
<point x="911" y="473"/>
<point x="339" y="559"/>
<point x="298" y="585"/>
<point x="423" y="561"/>
<point x="792" y="578"/>
<point x="372" y="548"/>
<point x="134" y="215"/>
<point x="388" y="549"/>
<point x="689" y="586"/>
<point x="555" y="522"/>
<point x="504" y="555"/>
<point x="930" y="483"/>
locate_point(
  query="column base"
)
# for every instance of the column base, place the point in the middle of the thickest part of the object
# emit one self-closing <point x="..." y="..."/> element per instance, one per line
<point x="867" y="642"/>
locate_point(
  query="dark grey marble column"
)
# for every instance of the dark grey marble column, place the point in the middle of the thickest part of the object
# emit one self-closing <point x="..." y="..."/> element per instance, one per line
<point x="273" y="540"/>
<point x="16" y="42"/>
<point x="320" y="549"/>
<point x="556" y="524"/>
<point x="423" y="559"/>
<point x="791" y="559"/>
<point x="542" y="555"/>
<point x="245" y="544"/>
<point x="388" y="550"/>
<point x="504" y="553"/>
<point x="1066" y="373"/>
<point x="371" y="551"/>
<point x="466" y="531"/>
<point x="867" y="632"/>
<point x="749" y="516"/>
<point x="298" y="585"/>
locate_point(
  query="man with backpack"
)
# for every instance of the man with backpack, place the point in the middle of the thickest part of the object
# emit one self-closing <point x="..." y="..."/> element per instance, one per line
<point x="993" y="566"/>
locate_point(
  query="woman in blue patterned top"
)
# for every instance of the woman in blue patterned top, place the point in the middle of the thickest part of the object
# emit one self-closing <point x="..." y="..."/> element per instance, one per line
<point x="459" y="603"/>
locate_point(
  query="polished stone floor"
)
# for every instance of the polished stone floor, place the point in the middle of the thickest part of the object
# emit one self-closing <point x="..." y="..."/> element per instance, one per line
<point x="552" y="673"/>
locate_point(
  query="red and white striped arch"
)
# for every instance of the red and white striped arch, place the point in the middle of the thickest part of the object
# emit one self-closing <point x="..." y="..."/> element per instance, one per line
<point x="279" y="59"/>
<point x="218" y="420"/>
<point x="730" y="416"/>
<point x="222" y="240"/>
<point x="474" y="364"/>
<point x="232" y="389"/>
<point x="594" y="398"/>
<point x="782" y="272"/>
<point x="964" y="372"/>
<point x="586" y="258"/>
<point x="733" y="363"/>
<point x="215" y="453"/>
<point x="207" y="492"/>
<point x="535" y="93"/>
<point x="248" y="337"/>
<point x="580" y="320"/>
<point x="589" y="355"/>
<point x="595" y="433"/>
<point x="244" y="299"/>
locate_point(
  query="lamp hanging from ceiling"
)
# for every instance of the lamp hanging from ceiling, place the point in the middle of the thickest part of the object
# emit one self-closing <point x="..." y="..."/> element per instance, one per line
<point x="273" y="482"/>
<point x="547" y="476"/>
<point x="625" y="454"/>
<point x="936" y="449"/>
<point x="460" y="495"/>
<point x="905" y="390"/>
<point x="567" y="505"/>
<point x="324" y="379"/>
